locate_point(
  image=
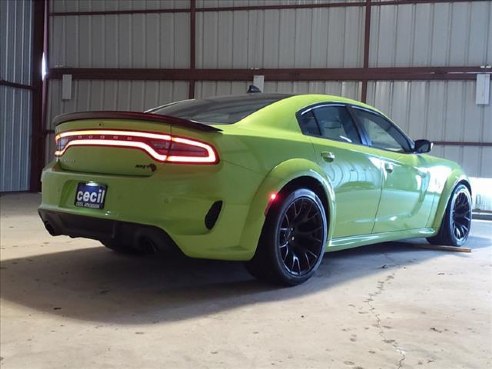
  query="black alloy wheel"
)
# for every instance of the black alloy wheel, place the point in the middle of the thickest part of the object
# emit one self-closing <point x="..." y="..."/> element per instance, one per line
<point x="293" y="239"/>
<point x="300" y="237"/>
<point x="456" y="223"/>
<point x="461" y="216"/>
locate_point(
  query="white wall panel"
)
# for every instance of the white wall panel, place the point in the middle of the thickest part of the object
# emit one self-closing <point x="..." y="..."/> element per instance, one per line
<point x="15" y="41"/>
<point x="346" y="89"/>
<point x="115" y="5"/>
<point x="431" y="34"/>
<point x="90" y="95"/>
<point x="238" y="3"/>
<point x="114" y="95"/>
<point x="302" y="38"/>
<point x="15" y="138"/>
<point x="16" y="18"/>
<point x="120" y="41"/>
<point x="440" y="111"/>
<point x="207" y="89"/>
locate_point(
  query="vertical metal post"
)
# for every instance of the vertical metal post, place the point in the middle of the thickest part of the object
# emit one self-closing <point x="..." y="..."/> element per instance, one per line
<point x="37" y="131"/>
<point x="367" y="37"/>
<point x="191" y="88"/>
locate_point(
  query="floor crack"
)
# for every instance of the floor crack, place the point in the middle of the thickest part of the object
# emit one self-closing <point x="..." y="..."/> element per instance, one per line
<point x="372" y="309"/>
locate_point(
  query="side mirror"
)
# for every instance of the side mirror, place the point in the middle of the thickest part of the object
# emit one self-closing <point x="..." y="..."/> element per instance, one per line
<point x="422" y="146"/>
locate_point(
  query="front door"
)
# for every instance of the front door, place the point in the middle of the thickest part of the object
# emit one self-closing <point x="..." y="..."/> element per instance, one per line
<point x="354" y="176"/>
<point x="405" y="200"/>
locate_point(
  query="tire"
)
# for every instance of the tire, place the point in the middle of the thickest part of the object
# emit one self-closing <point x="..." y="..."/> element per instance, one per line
<point x="455" y="225"/>
<point x="292" y="241"/>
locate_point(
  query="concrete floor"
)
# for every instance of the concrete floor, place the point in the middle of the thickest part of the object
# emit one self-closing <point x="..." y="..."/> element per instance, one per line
<point x="70" y="303"/>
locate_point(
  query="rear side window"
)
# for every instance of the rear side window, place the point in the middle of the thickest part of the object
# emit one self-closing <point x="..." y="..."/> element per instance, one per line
<point x="331" y="122"/>
<point x="225" y="110"/>
<point x="308" y="124"/>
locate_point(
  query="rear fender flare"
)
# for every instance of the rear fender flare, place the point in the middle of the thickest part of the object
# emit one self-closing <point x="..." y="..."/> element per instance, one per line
<point x="273" y="183"/>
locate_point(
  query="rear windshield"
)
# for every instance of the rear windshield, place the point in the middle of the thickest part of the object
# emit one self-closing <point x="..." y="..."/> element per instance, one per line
<point x="221" y="110"/>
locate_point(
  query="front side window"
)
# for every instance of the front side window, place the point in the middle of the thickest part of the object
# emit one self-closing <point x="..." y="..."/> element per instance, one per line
<point x="382" y="133"/>
<point x="331" y="122"/>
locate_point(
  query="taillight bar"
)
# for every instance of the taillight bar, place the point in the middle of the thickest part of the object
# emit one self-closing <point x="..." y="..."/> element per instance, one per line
<point x="161" y="147"/>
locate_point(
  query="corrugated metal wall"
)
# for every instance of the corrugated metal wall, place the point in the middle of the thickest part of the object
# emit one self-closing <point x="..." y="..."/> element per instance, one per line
<point x="300" y="38"/>
<point x="239" y="3"/>
<point x="112" y="5"/>
<point x="15" y="103"/>
<point x="346" y="89"/>
<point x="406" y="35"/>
<point x="440" y="111"/>
<point x="111" y="95"/>
<point x="120" y="41"/>
<point x="431" y="34"/>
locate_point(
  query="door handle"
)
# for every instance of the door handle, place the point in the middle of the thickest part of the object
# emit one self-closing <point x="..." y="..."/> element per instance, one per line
<point x="388" y="167"/>
<point x="327" y="156"/>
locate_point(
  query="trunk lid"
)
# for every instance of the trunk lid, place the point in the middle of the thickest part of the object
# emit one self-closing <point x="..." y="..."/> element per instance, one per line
<point x="125" y="143"/>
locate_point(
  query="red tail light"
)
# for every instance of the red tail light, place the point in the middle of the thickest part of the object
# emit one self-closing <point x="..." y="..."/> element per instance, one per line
<point x="161" y="147"/>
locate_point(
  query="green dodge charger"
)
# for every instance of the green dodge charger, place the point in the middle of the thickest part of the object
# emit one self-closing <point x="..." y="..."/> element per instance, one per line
<point x="273" y="180"/>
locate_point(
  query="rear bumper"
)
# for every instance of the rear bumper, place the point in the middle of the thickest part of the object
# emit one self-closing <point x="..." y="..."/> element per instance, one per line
<point x="173" y="206"/>
<point x="105" y="230"/>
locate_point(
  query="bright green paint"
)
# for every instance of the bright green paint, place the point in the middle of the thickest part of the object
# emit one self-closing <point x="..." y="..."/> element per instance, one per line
<point x="258" y="156"/>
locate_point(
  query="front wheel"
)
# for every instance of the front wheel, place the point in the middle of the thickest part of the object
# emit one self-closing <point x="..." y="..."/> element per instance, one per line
<point x="293" y="239"/>
<point x="455" y="226"/>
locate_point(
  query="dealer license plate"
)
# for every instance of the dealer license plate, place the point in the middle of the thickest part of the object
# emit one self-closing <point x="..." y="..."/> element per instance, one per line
<point x="90" y="195"/>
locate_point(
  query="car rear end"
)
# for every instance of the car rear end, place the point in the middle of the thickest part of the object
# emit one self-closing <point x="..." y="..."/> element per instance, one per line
<point x="145" y="179"/>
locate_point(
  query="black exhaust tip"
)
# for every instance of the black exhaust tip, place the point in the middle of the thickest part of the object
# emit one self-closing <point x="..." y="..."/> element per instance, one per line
<point x="51" y="230"/>
<point x="147" y="245"/>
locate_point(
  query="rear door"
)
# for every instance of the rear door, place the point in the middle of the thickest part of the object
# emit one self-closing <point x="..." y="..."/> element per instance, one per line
<point x="355" y="177"/>
<point x="405" y="200"/>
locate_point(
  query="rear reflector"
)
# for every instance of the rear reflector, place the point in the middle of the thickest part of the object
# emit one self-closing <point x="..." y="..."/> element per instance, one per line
<point x="161" y="147"/>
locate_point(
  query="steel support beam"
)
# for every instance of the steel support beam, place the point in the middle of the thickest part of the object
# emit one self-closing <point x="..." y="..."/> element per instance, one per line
<point x="37" y="132"/>
<point x="287" y="74"/>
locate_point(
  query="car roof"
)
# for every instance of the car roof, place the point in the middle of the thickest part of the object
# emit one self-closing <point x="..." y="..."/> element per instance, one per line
<point x="301" y="99"/>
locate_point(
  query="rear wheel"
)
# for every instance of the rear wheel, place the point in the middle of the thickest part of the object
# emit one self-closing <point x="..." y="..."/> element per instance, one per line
<point x="293" y="240"/>
<point x="455" y="226"/>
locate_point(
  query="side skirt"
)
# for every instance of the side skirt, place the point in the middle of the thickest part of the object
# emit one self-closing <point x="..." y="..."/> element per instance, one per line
<point x="343" y="243"/>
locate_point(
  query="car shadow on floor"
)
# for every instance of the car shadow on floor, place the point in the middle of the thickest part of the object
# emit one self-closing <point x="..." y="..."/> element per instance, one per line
<point x="98" y="285"/>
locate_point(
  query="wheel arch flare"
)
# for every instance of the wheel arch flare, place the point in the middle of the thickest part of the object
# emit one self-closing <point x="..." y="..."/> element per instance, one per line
<point x="285" y="177"/>
<point x="456" y="177"/>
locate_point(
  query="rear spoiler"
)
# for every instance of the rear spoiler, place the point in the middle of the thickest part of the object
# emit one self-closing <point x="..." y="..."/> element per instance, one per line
<point x="132" y="115"/>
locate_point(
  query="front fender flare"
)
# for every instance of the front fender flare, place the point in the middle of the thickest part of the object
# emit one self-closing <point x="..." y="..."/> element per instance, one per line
<point x="456" y="176"/>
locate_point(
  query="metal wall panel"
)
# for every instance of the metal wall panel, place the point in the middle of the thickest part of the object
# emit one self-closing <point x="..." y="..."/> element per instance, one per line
<point x="15" y="138"/>
<point x="207" y="89"/>
<point x="431" y="34"/>
<point x="110" y="95"/>
<point x="346" y="89"/>
<point x="302" y="38"/>
<point x="15" y="103"/>
<point x="120" y="41"/>
<point x="440" y="111"/>
<point x="238" y="3"/>
<point x="115" y="5"/>
<point x="113" y="95"/>
<point x="15" y="41"/>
